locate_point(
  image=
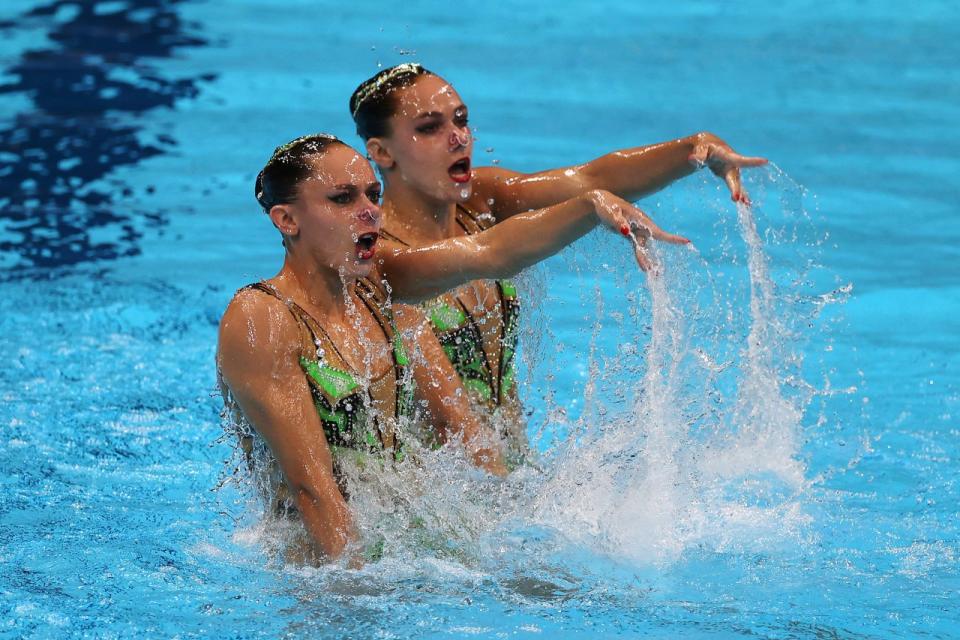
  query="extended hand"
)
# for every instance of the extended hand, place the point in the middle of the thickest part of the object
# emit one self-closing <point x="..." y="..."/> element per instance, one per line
<point x="725" y="163"/>
<point x="618" y="214"/>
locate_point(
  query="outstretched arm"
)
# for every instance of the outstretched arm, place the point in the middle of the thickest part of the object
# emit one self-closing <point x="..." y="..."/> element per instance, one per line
<point x="629" y="173"/>
<point x="447" y="402"/>
<point x="509" y="247"/>
<point x="258" y="357"/>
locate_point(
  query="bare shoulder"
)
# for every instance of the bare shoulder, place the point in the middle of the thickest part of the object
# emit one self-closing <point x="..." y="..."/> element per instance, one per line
<point x="255" y="329"/>
<point x="491" y="187"/>
<point x="486" y="177"/>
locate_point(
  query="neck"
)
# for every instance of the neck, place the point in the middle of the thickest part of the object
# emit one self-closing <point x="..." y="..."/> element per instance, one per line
<point x="321" y="288"/>
<point x="414" y="217"/>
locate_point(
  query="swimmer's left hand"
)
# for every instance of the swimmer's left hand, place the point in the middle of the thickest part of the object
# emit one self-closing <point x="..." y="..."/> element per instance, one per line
<point x="725" y="163"/>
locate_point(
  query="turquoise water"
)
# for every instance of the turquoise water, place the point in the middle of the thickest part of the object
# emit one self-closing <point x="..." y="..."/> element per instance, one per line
<point x="762" y="442"/>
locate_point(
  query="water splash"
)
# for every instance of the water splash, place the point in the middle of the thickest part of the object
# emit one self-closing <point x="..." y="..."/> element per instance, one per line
<point x="686" y="430"/>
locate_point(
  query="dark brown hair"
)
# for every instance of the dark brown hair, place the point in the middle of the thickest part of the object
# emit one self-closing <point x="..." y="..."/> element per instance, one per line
<point x="279" y="180"/>
<point x="374" y="102"/>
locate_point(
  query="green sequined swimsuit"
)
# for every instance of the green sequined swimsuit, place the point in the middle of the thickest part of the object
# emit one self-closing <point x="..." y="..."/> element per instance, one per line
<point x="459" y="330"/>
<point x="345" y="405"/>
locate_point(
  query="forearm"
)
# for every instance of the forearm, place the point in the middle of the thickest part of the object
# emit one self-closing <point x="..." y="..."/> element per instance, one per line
<point x="640" y="171"/>
<point x="528" y="238"/>
<point x="499" y="252"/>
<point x="327" y="519"/>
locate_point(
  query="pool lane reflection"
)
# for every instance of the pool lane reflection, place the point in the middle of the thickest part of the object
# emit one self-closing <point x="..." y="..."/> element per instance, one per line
<point x="88" y="91"/>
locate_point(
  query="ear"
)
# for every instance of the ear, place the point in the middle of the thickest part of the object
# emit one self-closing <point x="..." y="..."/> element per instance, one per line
<point x="283" y="219"/>
<point x="378" y="152"/>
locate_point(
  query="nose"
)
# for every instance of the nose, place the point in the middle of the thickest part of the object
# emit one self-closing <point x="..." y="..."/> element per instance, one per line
<point x="370" y="214"/>
<point x="459" y="137"/>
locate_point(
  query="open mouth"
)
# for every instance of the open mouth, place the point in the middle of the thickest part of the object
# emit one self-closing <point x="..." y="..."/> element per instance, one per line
<point x="367" y="245"/>
<point x="460" y="170"/>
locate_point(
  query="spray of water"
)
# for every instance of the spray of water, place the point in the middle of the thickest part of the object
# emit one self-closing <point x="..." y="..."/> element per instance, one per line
<point x="679" y="426"/>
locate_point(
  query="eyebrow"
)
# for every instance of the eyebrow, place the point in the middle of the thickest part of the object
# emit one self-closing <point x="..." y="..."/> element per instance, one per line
<point x="353" y="187"/>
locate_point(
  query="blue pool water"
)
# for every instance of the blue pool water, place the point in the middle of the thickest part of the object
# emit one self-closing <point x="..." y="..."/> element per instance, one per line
<point x="763" y="442"/>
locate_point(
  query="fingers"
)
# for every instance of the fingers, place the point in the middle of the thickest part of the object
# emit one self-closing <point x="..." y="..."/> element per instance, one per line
<point x="725" y="162"/>
<point x="737" y="192"/>
<point x="663" y="236"/>
<point x="636" y="226"/>
<point x="642" y="260"/>
<point x="643" y="225"/>
<point x="748" y="161"/>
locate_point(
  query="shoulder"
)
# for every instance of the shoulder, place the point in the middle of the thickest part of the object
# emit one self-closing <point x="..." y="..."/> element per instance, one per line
<point x="487" y="181"/>
<point x="493" y="186"/>
<point x="484" y="176"/>
<point x="255" y="328"/>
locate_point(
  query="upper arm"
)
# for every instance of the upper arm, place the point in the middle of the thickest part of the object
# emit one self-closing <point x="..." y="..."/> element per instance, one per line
<point x="506" y="192"/>
<point x="424" y="272"/>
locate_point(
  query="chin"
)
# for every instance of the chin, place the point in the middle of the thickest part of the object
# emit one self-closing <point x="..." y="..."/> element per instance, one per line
<point x="361" y="269"/>
<point x="462" y="192"/>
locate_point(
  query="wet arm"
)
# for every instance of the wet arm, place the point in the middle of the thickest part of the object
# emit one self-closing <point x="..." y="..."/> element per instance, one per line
<point x="499" y="252"/>
<point x="629" y="173"/>
<point x="439" y="385"/>
<point x="258" y="359"/>
<point x="509" y="247"/>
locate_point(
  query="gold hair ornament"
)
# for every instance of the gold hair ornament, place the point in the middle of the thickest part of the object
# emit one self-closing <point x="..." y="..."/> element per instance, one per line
<point x="372" y="88"/>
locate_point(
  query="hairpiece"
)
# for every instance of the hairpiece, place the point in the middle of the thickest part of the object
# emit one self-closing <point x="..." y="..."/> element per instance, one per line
<point x="364" y="93"/>
<point x="290" y="145"/>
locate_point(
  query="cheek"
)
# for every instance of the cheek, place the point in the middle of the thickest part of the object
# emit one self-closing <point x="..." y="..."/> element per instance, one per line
<point x="423" y="150"/>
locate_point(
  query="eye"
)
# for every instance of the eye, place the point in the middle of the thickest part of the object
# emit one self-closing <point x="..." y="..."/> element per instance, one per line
<point x="460" y="118"/>
<point x="343" y="197"/>
<point x="374" y="196"/>
<point x="429" y="127"/>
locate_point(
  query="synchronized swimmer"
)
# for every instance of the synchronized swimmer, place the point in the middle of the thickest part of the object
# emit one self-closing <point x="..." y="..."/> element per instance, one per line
<point x="315" y="362"/>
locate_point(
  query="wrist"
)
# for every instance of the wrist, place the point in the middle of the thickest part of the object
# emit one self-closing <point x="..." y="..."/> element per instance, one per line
<point x="705" y="137"/>
<point x="594" y="200"/>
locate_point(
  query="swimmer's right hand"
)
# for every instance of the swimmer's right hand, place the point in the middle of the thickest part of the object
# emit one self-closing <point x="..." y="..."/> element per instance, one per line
<point x="629" y="220"/>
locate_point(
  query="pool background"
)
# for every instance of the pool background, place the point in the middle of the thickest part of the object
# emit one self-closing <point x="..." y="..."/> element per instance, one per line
<point x="109" y="311"/>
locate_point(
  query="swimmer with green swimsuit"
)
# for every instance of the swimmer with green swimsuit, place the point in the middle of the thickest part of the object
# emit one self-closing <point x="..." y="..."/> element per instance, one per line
<point x="415" y="128"/>
<point x="310" y="359"/>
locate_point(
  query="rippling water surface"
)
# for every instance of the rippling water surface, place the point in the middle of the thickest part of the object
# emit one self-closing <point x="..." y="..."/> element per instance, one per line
<point x="761" y="442"/>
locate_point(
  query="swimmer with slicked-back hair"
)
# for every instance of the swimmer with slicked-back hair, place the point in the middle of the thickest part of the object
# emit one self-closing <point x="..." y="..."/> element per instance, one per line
<point x="416" y="131"/>
<point x="311" y="363"/>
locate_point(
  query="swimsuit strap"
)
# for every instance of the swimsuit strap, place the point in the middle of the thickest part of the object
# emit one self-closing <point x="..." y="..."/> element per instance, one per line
<point x="472" y="221"/>
<point x="376" y="300"/>
<point x="309" y="328"/>
<point x="389" y="236"/>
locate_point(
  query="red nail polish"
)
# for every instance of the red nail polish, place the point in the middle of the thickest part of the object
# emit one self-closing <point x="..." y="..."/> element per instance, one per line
<point x="625" y="229"/>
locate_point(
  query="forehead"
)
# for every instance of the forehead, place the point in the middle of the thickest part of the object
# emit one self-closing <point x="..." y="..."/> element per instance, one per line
<point x="340" y="164"/>
<point x="428" y="93"/>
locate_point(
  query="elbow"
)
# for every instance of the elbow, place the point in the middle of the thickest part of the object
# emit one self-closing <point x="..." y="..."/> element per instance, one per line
<point x="500" y="268"/>
<point x="703" y="137"/>
<point x="487" y="263"/>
